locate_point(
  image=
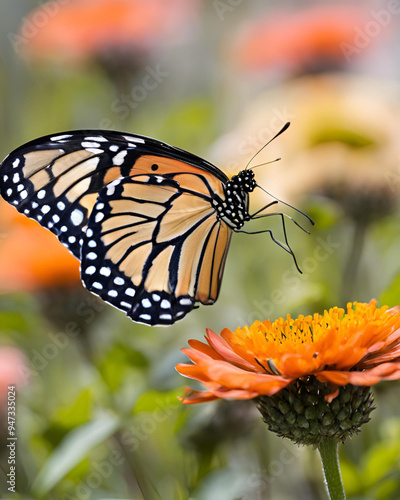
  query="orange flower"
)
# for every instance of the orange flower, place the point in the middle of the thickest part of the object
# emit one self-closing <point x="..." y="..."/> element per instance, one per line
<point x="303" y="39"/>
<point x="80" y="29"/>
<point x="359" y="347"/>
<point x="30" y="256"/>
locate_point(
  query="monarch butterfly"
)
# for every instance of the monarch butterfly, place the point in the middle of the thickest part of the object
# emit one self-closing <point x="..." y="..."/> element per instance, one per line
<point x="150" y="223"/>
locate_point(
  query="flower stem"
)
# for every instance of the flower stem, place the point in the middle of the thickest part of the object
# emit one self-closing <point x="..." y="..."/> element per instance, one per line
<point x="328" y="451"/>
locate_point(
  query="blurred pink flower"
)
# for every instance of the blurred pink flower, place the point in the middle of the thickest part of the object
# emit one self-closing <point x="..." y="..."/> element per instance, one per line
<point x="13" y="370"/>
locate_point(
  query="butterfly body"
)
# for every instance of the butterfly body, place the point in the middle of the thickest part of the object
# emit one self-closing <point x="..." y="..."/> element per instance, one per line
<point x="150" y="223"/>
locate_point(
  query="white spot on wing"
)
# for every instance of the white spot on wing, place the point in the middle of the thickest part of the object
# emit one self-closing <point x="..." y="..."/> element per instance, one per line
<point x="114" y="148"/>
<point x="111" y="187"/>
<point x="130" y="291"/>
<point x="131" y="138"/>
<point x="77" y="217"/>
<point x="16" y="163"/>
<point x="118" y="159"/>
<point x="99" y="217"/>
<point x="60" y="137"/>
<point x="41" y="194"/>
<point x="87" y="144"/>
<point x="119" y="281"/>
<point x="146" y="303"/>
<point x="105" y="271"/>
<point x="146" y="317"/>
<point x="95" y="151"/>
<point x="165" y="316"/>
<point x="97" y="138"/>
<point x="90" y="270"/>
<point x="91" y="256"/>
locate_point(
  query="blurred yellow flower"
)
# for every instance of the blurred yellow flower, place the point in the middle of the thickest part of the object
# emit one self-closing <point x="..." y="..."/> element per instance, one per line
<point x="343" y="141"/>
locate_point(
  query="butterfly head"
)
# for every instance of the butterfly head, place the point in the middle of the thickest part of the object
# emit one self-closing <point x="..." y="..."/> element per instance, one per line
<point x="244" y="180"/>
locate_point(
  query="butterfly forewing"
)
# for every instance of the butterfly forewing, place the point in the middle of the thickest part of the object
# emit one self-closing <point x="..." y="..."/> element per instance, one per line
<point x="56" y="180"/>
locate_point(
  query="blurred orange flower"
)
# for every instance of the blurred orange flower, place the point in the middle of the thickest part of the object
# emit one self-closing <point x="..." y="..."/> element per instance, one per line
<point x="80" y="29"/>
<point x="307" y="39"/>
<point x="30" y="256"/>
<point x="359" y="347"/>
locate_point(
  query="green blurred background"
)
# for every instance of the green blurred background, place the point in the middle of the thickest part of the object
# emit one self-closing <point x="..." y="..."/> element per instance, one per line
<point x="98" y="415"/>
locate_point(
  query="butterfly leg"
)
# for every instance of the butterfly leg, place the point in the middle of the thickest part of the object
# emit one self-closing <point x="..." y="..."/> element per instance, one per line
<point x="285" y="247"/>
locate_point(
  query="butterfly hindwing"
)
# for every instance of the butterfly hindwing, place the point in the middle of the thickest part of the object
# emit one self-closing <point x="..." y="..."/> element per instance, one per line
<point x="144" y="248"/>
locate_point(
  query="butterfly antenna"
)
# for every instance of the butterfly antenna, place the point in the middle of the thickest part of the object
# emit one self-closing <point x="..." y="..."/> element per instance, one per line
<point x="287" y="204"/>
<point x="266" y="163"/>
<point x="285" y="127"/>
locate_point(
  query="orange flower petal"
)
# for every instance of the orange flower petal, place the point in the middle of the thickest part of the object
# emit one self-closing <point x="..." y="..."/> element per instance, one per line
<point x="360" y="346"/>
<point x="204" y="348"/>
<point x="225" y="350"/>
<point x="190" y="396"/>
<point x="386" y="371"/>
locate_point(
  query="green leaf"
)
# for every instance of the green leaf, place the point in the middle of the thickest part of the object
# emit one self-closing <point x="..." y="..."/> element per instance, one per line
<point x="77" y="413"/>
<point x="118" y="362"/>
<point x="351" y="477"/>
<point x="154" y="401"/>
<point x="72" y="450"/>
<point x="391" y="296"/>
<point x="380" y="461"/>
<point x="387" y="489"/>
